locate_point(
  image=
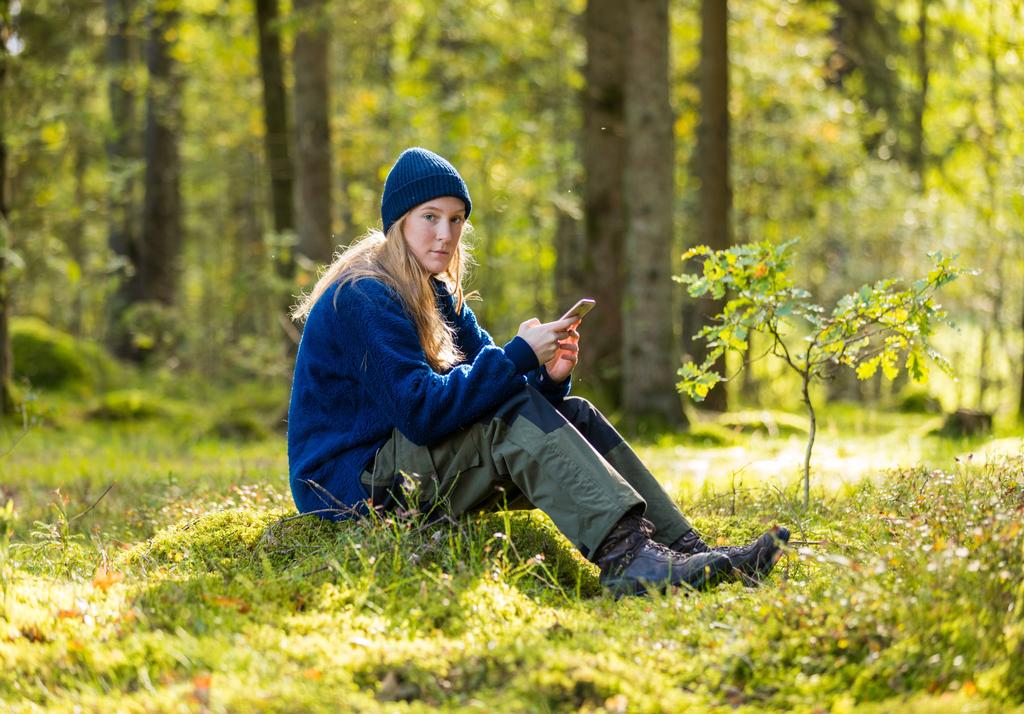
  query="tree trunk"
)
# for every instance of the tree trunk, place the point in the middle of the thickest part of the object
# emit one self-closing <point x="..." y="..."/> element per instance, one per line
<point x="249" y="255"/>
<point x="156" y="269"/>
<point x="649" y="360"/>
<point x="6" y="359"/>
<point x="812" y="429"/>
<point x="715" y="228"/>
<point x="917" y="155"/>
<point x="569" y="274"/>
<point x="275" y="120"/>
<point x="996" y="289"/>
<point x="75" y="240"/>
<point x="312" y="134"/>
<point x="601" y="267"/>
<point x="123" y="161"/>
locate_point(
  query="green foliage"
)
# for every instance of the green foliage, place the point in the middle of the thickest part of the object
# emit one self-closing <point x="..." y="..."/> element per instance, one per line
<point x="129" y="405"/>
<point x="915" y="400"/>
<point x="251" y="413"/>
<point x="51" y="359"/>
<point x="815" y="154"/>
<point x="883" y="324"/>
<point x="154" y="330"/>
<point x="239" y="426"/>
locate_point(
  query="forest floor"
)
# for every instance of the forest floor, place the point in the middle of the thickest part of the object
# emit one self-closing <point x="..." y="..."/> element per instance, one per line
<point x="188" y="585"/>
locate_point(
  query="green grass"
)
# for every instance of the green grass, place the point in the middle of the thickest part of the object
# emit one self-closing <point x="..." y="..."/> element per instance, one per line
<point x="190" y="586"/>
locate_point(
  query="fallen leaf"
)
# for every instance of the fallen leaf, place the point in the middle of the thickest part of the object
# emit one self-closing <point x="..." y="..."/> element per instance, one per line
<point x="104" y="578"/>
<point x="201" y="689"/>
<point x="237" y="603"/>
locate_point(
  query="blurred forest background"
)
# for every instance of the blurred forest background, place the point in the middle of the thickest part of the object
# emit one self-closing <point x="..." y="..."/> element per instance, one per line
<point x="174" y="173"/>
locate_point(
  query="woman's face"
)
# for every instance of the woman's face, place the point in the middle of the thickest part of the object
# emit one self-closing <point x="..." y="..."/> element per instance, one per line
<point x="432" y="231"/>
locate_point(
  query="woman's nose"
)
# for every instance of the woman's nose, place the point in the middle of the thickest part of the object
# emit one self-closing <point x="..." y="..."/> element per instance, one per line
<point x="444" y="231"/>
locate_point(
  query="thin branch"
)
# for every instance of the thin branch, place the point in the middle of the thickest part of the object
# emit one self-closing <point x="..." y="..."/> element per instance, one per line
<point x="14" y="444"/>
<point x="778" y="341"/>
<point x="747" y="364"/>
<point x="95" y="503"/>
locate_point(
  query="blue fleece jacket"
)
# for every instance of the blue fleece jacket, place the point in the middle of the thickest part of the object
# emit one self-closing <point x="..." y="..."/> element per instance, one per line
<point x="360" y="373"/>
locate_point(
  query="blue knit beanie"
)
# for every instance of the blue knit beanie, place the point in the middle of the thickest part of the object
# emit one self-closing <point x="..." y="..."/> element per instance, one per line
<point x="418" y="176"/>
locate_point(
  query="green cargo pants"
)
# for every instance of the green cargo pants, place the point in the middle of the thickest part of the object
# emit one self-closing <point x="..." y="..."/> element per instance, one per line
<point x="566" y="460"/>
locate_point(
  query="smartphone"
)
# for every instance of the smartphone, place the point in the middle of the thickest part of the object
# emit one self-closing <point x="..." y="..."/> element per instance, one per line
<point x="581" y="308"/>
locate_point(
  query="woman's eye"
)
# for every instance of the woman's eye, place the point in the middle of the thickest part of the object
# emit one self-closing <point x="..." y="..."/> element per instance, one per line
<point x="457" y="220"/>
<point x="429" y="216"/>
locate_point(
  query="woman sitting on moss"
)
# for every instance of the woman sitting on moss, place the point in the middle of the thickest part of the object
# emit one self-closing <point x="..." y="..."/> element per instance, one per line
<point x="400" y="399"/>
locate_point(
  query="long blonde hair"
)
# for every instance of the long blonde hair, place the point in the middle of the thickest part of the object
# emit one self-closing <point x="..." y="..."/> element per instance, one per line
<point x="387" y="258"/>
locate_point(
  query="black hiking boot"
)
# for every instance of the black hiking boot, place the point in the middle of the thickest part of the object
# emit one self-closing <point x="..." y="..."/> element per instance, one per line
<point x="631" y="562"/>
<point x="752" y="562"/>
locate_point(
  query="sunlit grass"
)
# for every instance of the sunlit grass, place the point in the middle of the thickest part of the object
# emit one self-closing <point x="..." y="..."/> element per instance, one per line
<point x="187" y="587"/>
<point x="851" y="444"/>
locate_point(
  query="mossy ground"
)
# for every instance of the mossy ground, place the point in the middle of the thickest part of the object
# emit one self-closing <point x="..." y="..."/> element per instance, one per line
<point x="190" y="586"/>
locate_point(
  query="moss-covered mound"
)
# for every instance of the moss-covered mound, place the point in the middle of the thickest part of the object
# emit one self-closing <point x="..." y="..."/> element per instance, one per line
<point x="239" y="426"/>
<point x="128" y="405"/>
<point x="916" y="400"/>
<point x="523" y="541"/>
<point x="207" y="542"/>
<point x="50" y="359"/>
<point x="531" y="533"/>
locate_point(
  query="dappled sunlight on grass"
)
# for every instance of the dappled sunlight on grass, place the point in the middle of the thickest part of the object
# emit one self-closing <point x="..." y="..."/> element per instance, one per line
<point x="190" y="587"/>
<point x="850" y="446"/>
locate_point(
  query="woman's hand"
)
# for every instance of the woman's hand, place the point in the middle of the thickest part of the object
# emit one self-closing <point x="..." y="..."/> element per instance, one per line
<point x="545" y="338"/>
<point x="566" y="356"/>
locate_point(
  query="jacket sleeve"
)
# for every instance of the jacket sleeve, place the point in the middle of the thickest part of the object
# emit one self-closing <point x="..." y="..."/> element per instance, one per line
<point x="472" y="338"/>
<point x="423" y="404"/>
<point x="554" y="391"/>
